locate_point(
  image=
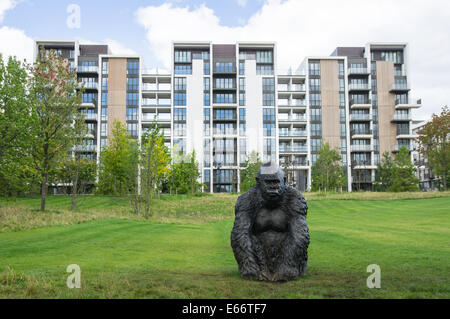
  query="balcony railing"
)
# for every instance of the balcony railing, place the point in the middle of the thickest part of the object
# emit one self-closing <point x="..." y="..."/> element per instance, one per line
<point x="290" y="149"/>
<point x="360" y="117"/>
<point x="156" y="102"/>
<point x="85" y="148"/>
<point x="157" y="118"/>
<point x="361" y="132"/>
<point x="293" y="102"/>
<point x="361" y="148"/>
<point x="359" y="86"/>
<point x="291" y="88"/>
<point x="87" y="69"/>
<point x="358" y="71"/>
<point x="292" y="119"/>
<point x="90" y="116"/>
<point x="406" y="102"/>
<point x="401" y="117"/>
<point x="400" y="87"/>
<point x="361" y="102"/>
<point x="293" y="133"/>
<point x="225" y="132"/>
<point x="361" y="163"/>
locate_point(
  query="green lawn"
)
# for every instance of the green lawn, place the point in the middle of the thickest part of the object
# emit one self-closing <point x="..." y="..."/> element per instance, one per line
<point x="184" y="251"/>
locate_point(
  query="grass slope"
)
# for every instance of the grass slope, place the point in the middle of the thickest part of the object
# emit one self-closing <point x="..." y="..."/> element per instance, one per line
<point x="136" y="258"/>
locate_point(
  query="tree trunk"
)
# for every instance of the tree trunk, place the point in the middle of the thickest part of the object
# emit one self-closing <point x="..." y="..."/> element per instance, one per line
<point x="44" y="191"/>
<point x="75" y="189"/>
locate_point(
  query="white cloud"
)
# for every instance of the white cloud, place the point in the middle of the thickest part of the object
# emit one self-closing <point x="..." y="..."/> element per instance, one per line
<point x="302" y="28"/>
<point x="14" y="42"/>
<point x="118" y="48"/>
<point x="6" y="5"/>
<point x="242" y="3"/>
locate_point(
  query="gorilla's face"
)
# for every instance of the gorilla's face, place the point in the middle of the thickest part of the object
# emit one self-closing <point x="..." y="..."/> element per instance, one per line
<point x="271" y="186"/>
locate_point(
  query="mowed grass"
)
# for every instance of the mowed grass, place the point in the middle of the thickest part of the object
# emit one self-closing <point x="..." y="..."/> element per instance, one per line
<point x="184" y="251"/>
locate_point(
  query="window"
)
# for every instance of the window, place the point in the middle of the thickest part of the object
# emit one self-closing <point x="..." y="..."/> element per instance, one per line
<point x="343" y="129"/>
<point x="206" y="68"/>
<point x="180" y="145"/>
<point x="179" y="115"/>
<point x="132" y="99"/>
<point x="264" y="57"/>
<point x="104" y="99"/>
<point x="206" y="99"/>
<point x="132" y="129"/>
<point x="241" y="68"/>
<point x="180" y="84"/>
<point x="242" y="115"/>
<point x="314" y="84"/>
<point x="180" y="99"/>
<point x="132" y="84"/>
<point x="132" y="67"/>
<point x="341" y="85"/>
<point x="242" y="84"/>
<point x="316" y="129"/>
<point x="179" y="129"/>
<point x="264" y="69"/>
<point x="315" y="99"/>
<point x="268" y="84"/>
<point x="104" y="114"/>
<point x="224" y="98"/>
<point x="242" y="99"/>
<point x="183" y="69"/>
<point x="103" y="129"/>
<point x="132" y="114"/>
<point x="105" y="84"/>
<point x="225" y="83"/>
<point x="342" y="115"/>
<point x="182" y="56"/>
<point x="315" y="144"/>
<point x="268" y="99"/>
<point x="314" y="68"/>
<point x="316" y="115"/>
<point x="342" y="99"/>
<point x="341" y="68"/>
<point x="269" y="129"/>
<point x="206" y="84"/>
<point x="206" y="153"/>
<point x="105" y="67"/>
<point x="224" y="67"/>
<point x="269" y="115"/>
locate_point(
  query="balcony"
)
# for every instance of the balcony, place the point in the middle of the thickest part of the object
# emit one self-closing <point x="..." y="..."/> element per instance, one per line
<point x="85" y="148"/>
<point x="402" y="117"/>
<point x="225" y="131"/>
<point x="87" y="69"/>
<point x="156" y="102"/>
<point x="360" y="117"/>
<point x="362" y="71"/>
<point x="358" y="104"/>
<point x="359" y="87"/>
<point x="293" y="133"/>
<point x="90" y="116"/>
<point x="151" y="117"/>
<point x="293" y="149"/>
<point x="361" y="134"/>
<point x="361" y="163"/>
<point x="400" y="87"/>
<point x="402" y="104"/>
<point x="291" y="88"/>
<point x="361" y="148"/>
<point x="292" y="102"/>
<point x="156" y="87"/>
<point x="292" y="118"/>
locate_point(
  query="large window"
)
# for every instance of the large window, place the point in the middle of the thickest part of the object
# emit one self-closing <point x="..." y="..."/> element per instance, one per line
<point x="314" y="84"/>
<point x="264" y="57"/>
<point x="132" y="114"/>
<point x="182" y="56"/>
<point x="132" y="84"/>
<point x="132" y="129"/>
<point x="132" y="67"/>
<point x="179" y="99"/>
<point x="315" y="100"/>
<point x="180" y="84"/>
<point x="132" y="99"/>
<point x="268" y="99"/>
<point x="314" y="68"/>
<point x="183" y="69"/>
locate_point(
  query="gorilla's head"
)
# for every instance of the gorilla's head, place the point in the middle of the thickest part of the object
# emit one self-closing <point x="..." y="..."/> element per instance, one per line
<point x="270" y="181"/>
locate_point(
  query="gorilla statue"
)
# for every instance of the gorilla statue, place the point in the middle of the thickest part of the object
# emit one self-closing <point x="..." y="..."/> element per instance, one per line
<point x="270" y="237"/>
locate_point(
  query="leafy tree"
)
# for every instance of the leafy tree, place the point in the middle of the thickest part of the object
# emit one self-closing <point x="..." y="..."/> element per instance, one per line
<point x="155" y="161"/>
<point x="119" y="163"/>
<point x="434" y="139"/>
<point x="403" y="172"/>
<point x="184" y="174"/>
<point x="383" y="180"/>
<point x="327" y="172"/>
<point x="16" y="175"/>
<point x="249" y="173"/>
<point x="55" y="103"/>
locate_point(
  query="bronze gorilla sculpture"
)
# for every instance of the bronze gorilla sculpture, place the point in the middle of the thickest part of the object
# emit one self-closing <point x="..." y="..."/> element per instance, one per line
<point x="270" y="237"/>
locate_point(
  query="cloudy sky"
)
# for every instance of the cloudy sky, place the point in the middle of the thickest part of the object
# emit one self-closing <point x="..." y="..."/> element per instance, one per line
<point x="299" y="27"/>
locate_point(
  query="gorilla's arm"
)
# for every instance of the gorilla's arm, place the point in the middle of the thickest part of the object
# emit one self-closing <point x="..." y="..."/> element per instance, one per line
<point x="241" y="242"/>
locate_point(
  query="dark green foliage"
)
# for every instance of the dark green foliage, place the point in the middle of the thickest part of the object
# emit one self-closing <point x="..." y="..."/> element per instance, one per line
<point x="249" y="173"/>
<point x="403" y="173"/>
<point x="327" y="171"/>
<point x="383" y="179"/>
<point x="184" y="175"/>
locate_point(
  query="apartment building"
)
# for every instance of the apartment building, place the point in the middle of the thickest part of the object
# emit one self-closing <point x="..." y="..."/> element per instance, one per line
<point x="225" y="101"/>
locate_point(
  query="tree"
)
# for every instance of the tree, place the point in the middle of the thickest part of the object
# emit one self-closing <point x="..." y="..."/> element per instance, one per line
<point x="184" y="174"/>
<point x="119" y="163"/>
<point x="434" y="139"/>
<point x="383" y="179"/>
<point x="15" y="172"/>
<point x="403" y="177"/>
<point x="250" y="172"/>
<point x="155" y="161"/>
<point x="327" y="171"/>
<point x="55" y="102"/>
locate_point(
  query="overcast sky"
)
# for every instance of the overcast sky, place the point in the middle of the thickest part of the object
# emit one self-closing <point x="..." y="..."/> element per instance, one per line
<point x="299" y="27"/>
